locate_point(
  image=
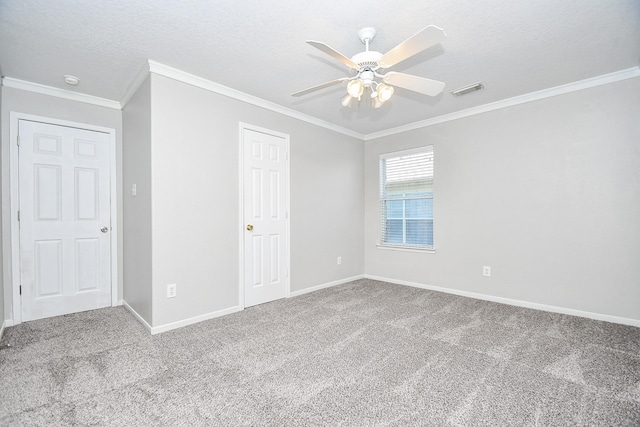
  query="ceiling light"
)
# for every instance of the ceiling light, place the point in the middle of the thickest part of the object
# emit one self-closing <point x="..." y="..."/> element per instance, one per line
<point x="379" y="92"/>
<point x="71" y="80"/>
<point x="467" y="89"/>
<point x="347" y="100"/>
<point x="384" y="92"/>
<point x="355" y="88"/>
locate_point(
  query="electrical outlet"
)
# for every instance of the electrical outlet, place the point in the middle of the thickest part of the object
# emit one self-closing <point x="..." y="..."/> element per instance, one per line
<point x="486" y="271"/>
<point x="171" y="291"/>
<point x="339" y="260"/>
<point x="134" y="189"/>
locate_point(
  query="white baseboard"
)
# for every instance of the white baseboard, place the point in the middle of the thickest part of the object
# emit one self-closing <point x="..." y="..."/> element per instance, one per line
<point x="196" y="319"/>
<point x="190" y="321"/>
<point x="179" y="324"/>
<point x="325" y="285"/>
<point x="137" y="316"/>
<point x="509" y="301"/>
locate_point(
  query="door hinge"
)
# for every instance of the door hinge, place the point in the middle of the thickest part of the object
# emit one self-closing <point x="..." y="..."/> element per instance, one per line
<point x="18" y="140"/>
<point x="18" y="216"/>
<point x="20" y="289"/>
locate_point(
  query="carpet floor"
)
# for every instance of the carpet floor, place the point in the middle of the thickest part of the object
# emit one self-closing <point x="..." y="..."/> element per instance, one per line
<point x="359" y="354"/>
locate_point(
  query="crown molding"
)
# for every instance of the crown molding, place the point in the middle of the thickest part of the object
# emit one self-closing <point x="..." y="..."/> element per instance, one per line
<point x="173" y="73"/>
<point x="59" y="93"/>
<point x="604" y="79"/>
<point x="135" y="84"/>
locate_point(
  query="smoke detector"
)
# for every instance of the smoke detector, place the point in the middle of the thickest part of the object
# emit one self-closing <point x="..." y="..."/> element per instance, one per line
<point x="71" y="80"/>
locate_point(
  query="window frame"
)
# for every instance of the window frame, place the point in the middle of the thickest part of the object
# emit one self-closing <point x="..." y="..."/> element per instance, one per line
<point x="383" y="219"/>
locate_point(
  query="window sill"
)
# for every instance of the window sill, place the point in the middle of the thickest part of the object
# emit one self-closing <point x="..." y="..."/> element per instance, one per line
<point x="406" y="249"/>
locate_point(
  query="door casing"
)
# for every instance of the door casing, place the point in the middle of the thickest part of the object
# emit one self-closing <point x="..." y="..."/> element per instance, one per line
<point x="241" y="225"/>
<point x="11" y="231"/>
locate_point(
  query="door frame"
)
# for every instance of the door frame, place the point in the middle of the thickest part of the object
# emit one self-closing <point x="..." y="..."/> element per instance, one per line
<point x="12" y="257"/>
<point x="241" y="275"/>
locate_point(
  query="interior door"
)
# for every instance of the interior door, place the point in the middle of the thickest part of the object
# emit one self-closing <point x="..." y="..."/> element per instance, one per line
<point x="266" y="240"/>
<point x="64" y="192"/>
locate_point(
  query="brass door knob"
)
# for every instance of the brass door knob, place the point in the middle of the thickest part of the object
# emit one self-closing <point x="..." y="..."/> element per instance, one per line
<point x="249" y="227"/>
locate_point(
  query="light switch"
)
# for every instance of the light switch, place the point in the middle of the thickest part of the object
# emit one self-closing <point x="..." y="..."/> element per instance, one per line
<point x="133" y="190"/>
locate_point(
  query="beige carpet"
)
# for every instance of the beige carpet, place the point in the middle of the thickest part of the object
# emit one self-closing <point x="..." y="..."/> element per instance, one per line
<point x="364" y="353"/>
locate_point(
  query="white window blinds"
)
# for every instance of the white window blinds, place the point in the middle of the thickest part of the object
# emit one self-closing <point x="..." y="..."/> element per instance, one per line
<point x="406" y="198"/>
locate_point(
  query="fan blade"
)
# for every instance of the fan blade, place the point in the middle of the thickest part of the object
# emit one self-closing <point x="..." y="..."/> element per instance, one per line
<point x="318" y="87"/>
<point x="332" y="52"/>
<point x="414" y="83"/>
<point x="426" y="38"/>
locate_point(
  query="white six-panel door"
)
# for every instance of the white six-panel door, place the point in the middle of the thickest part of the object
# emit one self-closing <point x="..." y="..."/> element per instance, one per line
<point x="266" y="240"/>
<point x="64" y="192"/>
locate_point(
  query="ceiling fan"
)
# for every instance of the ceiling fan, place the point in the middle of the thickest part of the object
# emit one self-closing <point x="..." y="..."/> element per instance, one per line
<point x="368" y="66"/>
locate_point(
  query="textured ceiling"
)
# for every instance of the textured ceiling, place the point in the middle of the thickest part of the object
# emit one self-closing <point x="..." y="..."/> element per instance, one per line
<point x="258" y="47"/>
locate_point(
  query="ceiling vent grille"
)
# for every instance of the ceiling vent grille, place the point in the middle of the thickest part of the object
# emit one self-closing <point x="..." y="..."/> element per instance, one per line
<point x="468" y="89"/>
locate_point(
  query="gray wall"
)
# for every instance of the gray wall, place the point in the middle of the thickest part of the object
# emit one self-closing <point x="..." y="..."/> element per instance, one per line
<point x="2" y="290"/>
<point x="327" y="196"/>
<point x="63" y="109"/>
<point x="546" y="193"/>
<point x="136" y="127"/>
<point x="195" y="199"/>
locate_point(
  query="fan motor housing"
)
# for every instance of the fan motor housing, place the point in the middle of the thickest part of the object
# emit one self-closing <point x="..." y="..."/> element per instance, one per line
<point x="367" y="59"/>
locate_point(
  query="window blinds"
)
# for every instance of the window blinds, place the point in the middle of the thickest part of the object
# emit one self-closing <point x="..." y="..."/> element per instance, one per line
<point x="406" y="198"/>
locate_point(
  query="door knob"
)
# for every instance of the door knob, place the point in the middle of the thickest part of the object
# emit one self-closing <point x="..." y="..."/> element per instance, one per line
<point x="104" y="229"/>
<point x="249" y="227"/>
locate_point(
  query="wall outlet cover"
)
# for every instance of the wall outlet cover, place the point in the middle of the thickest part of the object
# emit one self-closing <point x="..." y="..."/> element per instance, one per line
<point x="171" y="290"/>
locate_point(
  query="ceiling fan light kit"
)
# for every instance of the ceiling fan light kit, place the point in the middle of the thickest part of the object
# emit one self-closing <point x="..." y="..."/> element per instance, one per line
<point x="384" y="92"/>
<point x="347" y="100"/>
<point x="355" y="88"/>
<point x="369" y="64"/>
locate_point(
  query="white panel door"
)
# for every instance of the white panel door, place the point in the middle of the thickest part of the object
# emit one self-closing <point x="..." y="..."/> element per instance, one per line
<point x="266" y="240"/>
<point x="64" y="191"/>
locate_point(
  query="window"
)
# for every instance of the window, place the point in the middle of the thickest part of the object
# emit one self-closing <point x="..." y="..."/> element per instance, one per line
<point x="406" y="198"/>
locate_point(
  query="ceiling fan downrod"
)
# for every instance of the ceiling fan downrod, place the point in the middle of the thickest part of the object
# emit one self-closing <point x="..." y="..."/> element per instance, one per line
<point x="367" y="35"/>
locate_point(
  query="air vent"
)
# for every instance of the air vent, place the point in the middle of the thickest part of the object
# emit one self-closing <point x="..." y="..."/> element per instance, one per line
<point x="467" y="89"/>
